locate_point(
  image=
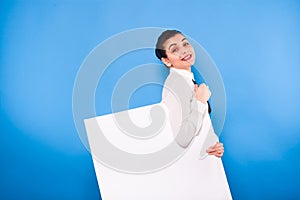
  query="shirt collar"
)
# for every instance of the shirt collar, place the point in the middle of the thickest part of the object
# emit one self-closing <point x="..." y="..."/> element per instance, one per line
<point x="185" y="73"/>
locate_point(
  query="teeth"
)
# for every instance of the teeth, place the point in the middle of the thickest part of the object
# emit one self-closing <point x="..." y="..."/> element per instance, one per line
<point x="186" y="57"/>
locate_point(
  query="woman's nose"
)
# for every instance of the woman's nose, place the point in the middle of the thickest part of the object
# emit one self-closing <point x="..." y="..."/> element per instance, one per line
<point x="184" y="51"/>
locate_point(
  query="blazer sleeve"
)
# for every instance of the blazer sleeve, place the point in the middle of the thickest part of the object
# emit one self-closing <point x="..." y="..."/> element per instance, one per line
<point x="185" y="112"/>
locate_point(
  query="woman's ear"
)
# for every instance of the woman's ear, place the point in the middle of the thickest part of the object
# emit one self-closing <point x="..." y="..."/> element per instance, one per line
<point x="166" y="62"/>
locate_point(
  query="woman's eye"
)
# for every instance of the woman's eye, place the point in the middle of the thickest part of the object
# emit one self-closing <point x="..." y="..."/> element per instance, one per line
<point x="185" y="44"/>
<point x="174" y="50"/>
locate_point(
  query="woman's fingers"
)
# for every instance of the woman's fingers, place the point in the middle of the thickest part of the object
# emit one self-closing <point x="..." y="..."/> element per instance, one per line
<point x="216" y="146"/>
<point x="202" y="93"/>
<point x="217" y="150"/>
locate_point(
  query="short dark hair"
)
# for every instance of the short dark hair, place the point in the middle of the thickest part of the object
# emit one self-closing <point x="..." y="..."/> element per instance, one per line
<point x="160" y="52"/>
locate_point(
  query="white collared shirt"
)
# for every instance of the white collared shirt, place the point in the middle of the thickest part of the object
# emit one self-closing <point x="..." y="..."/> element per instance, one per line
<point x="189" y="76"/>
<point x="185" y="112"/>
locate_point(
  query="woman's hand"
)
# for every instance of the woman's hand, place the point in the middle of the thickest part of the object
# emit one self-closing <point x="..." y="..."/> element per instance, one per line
<point x="202" y="93"/>
<point x="216" y="150"/>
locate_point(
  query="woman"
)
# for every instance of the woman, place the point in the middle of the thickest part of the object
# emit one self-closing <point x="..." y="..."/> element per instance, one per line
<point x="187" y="102"/>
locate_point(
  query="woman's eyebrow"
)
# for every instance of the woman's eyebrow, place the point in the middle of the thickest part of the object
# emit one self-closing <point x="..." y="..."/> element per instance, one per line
<point x="172" y="45"/>
<point x="176" y="43"/>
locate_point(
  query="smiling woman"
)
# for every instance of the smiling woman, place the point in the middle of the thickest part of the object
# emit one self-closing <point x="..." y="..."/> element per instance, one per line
<point x="186" y="101"/>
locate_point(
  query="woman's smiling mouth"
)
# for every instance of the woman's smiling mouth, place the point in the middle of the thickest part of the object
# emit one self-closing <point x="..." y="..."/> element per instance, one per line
<point x="187" y="57"/>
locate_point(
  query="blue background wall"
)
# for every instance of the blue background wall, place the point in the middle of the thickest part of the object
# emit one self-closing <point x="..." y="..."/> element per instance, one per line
<point x="255" y="45"/>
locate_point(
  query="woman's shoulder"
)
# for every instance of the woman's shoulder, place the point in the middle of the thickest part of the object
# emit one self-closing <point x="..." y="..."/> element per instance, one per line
<point x="178" y="85"/>
<point x="173" y="78"/>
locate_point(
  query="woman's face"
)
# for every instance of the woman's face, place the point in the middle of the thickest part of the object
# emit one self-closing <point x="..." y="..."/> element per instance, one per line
<point x="180" y="54"/>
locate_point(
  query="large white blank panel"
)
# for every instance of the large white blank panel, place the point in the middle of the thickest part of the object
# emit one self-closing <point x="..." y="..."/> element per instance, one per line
<point x="189" y="177"/>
